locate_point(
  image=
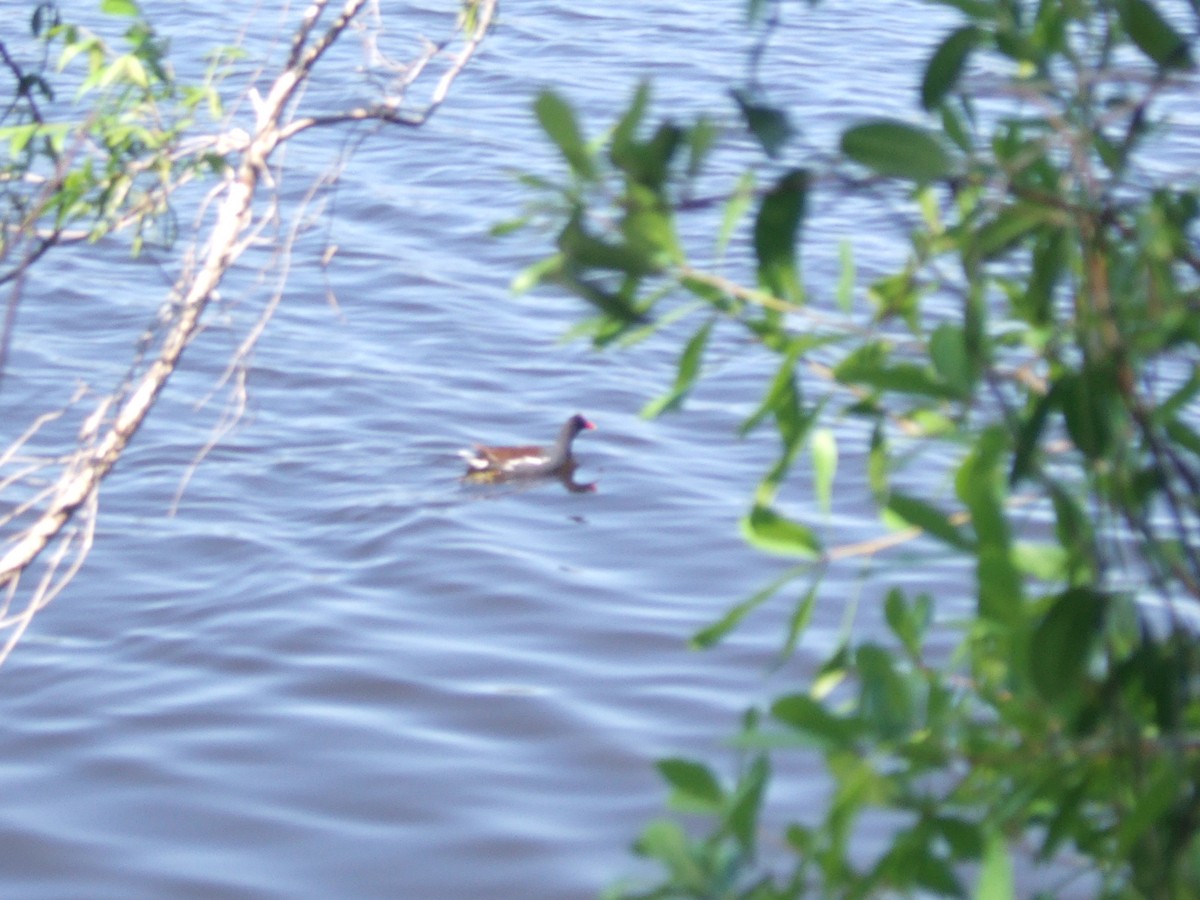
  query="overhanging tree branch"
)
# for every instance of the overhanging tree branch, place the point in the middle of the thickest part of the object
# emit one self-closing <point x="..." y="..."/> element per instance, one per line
<point x="106" y="435"/>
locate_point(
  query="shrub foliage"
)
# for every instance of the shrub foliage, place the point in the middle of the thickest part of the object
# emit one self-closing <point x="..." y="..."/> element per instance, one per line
<point x="1042" y="335"/>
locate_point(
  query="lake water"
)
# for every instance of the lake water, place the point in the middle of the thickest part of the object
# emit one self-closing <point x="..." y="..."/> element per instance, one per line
<point x="335" y="671"/>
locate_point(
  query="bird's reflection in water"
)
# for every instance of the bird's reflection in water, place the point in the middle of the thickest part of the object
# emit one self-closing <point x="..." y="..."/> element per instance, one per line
<point x="566" y="475"/>
<point x="500" y="483"/>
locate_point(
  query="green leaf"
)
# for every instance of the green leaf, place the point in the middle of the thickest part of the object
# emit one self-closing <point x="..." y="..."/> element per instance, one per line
<point x="743" y="815"/>
<point x="647" y="162"/>
<point x="649" y="228"/>
<point x="558" y="121"/>
<point x="590" y="252"/>
<point x="845" y="285"/>
<point x="979" y="486"/>
<point x="1068" y="804"/>
<point x="1029" y="439"/>
<point x="18" y="137"/>
<point x="897" y="295"/>
<point x="1048" y="562"/>
<point x="823" y="447"/>
<point x="120" y="8"/>
<point x="1184" y="436"/>
<point x="936" y="874"/>
<point x="859" y="785"/>
<point x="666" y="842"/>
<point x="908" y="622"/>
<point x="509" y="226"/>
<point x="767" y="123"/>
<point x="1178" y="400"/>
<point x="801" y="839"/>
<point x="1010" y="226"/>
<point x="735" y="208"/>
<point x="794" y="425"/>
<point x="951" y="358"/>
<point x="624" y="133"/>
<point x="702" y="138"/>
<point x="1063" y="641"/>
<point x="1154" y="35"/>
<point x="635" y="336"/>
<point x="879" y="463"/>
<point x="686" y="373"/>
<point x="1073" y="528"/>
<point x="1051" y="259"/>
<point x="999" y="584"/>
<point x="1087" y="410"/>
<point x="810" y="716"/>
<point x="798" y="621"/>
<point x="946" y="65"/>
<point x="885" y="699"/>
<point x="833" y="672"/>
<point x="897" y="150"/>
<point x="125" y="69"/>
<point x="776" y="232"/>
<point x="996" y="872"/>
<point x="73" y="48"/>
<point x="768" y="530"/>
<point x="619" y="311"/>
<point x="535" y="273"/>
<point x="1168" y="787"/>
<point x="962" y="836"/>
<point x="693" y="783"/>
<point x="781" y="396"/>
<point x="706" y="637"/>
<point x="929" y="519"/>
<point x="929" y="202"/>
<point x="869" y="366"/>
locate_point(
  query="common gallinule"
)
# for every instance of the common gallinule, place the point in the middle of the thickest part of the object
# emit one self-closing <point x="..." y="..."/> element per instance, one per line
<point x="494" y="463"/>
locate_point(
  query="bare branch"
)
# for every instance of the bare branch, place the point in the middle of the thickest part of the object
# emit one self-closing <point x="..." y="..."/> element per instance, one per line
<point x="388" y="111"/>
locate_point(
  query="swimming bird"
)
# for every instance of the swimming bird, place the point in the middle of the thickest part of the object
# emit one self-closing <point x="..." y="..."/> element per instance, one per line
<point x="498" y="463"/>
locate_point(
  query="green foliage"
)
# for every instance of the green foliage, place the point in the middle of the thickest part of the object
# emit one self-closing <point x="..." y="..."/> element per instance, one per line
<point x="1044" y="438"/>
<point x="1153" y="35"/>
<point x="768" y="124"/>
<point x="947" y="64"/>
<point x="110" y="157"/>
<point x="768" y="530"/>
<point x="897" y="150"/>
<point x="687" y="373"/>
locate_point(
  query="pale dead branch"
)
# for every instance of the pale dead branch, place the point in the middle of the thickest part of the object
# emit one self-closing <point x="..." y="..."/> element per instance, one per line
<point x="237" y="370"/>
<point x="73" y="496"/>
